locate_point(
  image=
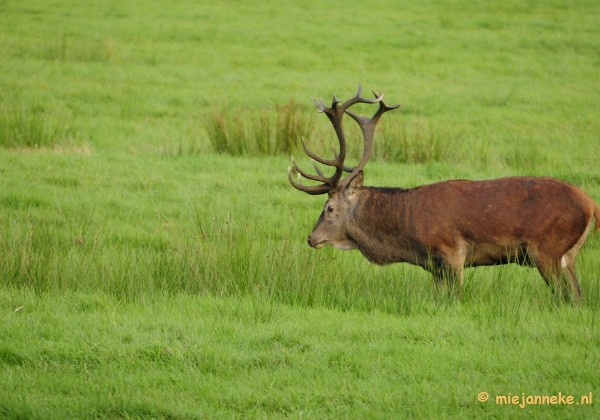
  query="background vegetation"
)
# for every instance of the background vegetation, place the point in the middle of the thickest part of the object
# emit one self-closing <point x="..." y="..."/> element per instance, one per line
<point x="152" y="254"/>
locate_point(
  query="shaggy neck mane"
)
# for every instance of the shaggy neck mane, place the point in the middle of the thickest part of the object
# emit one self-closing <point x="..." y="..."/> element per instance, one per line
<point x="386" y="190"/>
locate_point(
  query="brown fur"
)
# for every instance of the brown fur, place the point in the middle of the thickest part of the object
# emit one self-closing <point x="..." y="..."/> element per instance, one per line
<point x="446" y="226"/>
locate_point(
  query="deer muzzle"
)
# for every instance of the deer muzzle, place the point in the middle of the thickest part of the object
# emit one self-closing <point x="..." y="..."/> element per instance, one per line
<point x="315" y="244"/>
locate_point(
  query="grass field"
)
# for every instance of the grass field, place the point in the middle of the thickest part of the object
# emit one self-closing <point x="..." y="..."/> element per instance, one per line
<point x="153" y="257"/>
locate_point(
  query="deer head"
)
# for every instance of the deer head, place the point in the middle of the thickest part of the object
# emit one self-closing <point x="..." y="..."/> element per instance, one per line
<point x="329" y="229"/>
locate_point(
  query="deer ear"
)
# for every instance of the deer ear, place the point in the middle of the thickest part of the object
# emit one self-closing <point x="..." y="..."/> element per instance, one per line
<point x="355" y="184"/>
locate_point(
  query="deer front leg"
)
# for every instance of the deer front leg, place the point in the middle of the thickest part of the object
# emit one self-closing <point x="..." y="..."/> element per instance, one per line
<point x="448" y="275"/>
<point x="447" y="271"/>
<point x="447" y="266"/>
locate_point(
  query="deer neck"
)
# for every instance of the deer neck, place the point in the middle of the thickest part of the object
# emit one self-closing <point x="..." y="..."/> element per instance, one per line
<point x="381" y="225"/>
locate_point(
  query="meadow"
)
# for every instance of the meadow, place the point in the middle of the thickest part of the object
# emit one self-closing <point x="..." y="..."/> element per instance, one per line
<point x="153" y="257"/>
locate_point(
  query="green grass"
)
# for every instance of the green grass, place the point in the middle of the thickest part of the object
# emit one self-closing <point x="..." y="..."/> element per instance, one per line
<point x="88" y="355"/>
<point x="153" y="257"/>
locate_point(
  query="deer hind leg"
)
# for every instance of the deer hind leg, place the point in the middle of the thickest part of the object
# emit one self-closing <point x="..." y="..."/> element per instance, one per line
<point x="575" y="287"/>
<point x="550" y="270"/>
<point x="567" y="263"/>
<point x="559" y="273"/>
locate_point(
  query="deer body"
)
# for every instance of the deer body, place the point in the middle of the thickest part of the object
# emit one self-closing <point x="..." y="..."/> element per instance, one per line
<point x="449" y="225"/>
<point x="446" y="226"/>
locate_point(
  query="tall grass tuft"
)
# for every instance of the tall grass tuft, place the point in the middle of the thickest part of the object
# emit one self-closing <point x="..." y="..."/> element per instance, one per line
<point x="237" y="133"/>
<point x="28" y="127"/>
<point x="293" y="123"/>
<point x="526" y="158"/>
<point x="414" y="141"/>
<point x="218" y="131"/>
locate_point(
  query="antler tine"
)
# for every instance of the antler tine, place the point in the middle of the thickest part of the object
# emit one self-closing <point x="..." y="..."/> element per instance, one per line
<point x="320" y="177"/>
<point x="328" y="183"/>
<point x="317" y="168"/>
<point x="383" y="108"/>
<point x="378" y="96"/>
<point x="314" y="156"/>
<point x="319" y="104"/>
<point x="334" y="101"/>
<point x="310" y="189"/>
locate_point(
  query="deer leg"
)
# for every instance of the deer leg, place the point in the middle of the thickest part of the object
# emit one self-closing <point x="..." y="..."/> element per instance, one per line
<point x="567" y="263"/>
<point x="574" y="282"/>
<point x="559" y="272"/>
<point x="447" y="273"/>
<point x="447" y="282"/>
<point x="550" y="270"/>
<point x="454" y="260"/>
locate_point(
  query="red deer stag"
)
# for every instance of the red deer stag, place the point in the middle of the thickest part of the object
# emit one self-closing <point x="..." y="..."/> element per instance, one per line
<point x="443" y="227"/>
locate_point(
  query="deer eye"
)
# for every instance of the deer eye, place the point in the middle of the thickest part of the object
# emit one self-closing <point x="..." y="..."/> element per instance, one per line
<point x="329" y="209"/>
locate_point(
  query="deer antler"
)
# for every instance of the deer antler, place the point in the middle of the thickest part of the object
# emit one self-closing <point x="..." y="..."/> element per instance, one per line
<point x="335" y="114"/>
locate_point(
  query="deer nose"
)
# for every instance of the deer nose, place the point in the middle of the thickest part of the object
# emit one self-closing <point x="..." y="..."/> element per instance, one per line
<point x="311" y="242"/>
